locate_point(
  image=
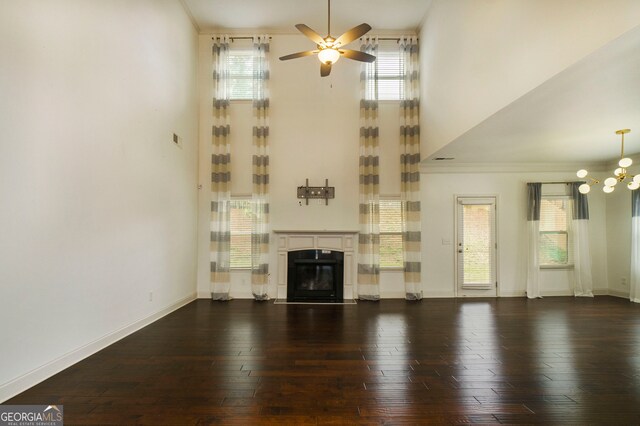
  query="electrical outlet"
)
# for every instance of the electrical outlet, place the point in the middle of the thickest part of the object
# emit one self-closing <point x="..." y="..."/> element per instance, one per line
<point x="623" y="281"/>
<point x="150" y="296"/>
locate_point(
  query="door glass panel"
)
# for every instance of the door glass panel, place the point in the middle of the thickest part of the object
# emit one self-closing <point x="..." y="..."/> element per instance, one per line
<point x="477" y="244"/>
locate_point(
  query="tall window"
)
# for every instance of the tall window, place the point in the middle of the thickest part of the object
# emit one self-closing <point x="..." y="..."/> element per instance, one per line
<point x="554" y="231"/>
<point x="391" y="234"/>
<point x="240" y="233"/>
<point x="240" y="61"/>
<point x="390" y="73"/>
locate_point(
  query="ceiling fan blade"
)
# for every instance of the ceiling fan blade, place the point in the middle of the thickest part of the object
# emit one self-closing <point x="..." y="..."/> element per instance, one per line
<point x="352" y="34"/>
<point x="357" y="55"/>
<point x="325" y="70"/>
<point x="314" y="36"/>
<point x="298" y="55"/>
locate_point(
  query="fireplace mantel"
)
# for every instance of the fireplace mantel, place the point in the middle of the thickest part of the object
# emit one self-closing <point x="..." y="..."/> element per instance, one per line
<point x="339" y="240"/>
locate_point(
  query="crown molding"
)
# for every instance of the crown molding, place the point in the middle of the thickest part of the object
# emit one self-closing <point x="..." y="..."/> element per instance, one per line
<point x="431" y="166"/>
<point x="189" y="14"/>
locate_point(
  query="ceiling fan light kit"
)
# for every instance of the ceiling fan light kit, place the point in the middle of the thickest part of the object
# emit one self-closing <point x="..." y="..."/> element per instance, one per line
<point x="328" y="56"/>
<point x="620" y="174"/>
<point x="329" y="49"/>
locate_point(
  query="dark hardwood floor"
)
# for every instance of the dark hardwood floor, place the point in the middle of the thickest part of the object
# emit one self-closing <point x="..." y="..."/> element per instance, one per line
<point x="441" y="361"/>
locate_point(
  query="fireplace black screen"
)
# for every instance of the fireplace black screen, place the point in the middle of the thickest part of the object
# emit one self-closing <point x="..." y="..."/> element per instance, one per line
<point x="315" y="276"/>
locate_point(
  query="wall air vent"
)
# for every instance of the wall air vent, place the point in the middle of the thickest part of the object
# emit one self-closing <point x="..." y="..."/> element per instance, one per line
<point x="443" y="158"/>
<point x="177" y="140"/>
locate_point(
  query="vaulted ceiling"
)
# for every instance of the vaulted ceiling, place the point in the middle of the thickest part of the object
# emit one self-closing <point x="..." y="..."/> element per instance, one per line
<point x="572" y="116"/>
<point x="280" y="16"/>
<point x="569" y="117"/>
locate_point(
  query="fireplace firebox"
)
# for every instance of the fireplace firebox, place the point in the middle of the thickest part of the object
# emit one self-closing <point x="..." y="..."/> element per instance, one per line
<point x="315" y="276"/>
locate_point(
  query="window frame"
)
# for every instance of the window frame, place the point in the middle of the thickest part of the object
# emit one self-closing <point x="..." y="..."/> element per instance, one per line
<point x="395" y="199"/>
<point x="569" y="218"/>
<point x="239" y="198"/>
<point x="383" y="50"/>
<point x="248" y="52"/>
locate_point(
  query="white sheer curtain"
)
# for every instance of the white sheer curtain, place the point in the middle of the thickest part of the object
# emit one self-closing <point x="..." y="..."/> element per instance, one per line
<point x="634" y="293"/>
<point x="260" y="196"/>
<point x="534" y="198"/>
<point x="410" y="168"/>
<point x="582" y="279"/>
<point x="369" y="199"/>
<point x="220" y="174"/>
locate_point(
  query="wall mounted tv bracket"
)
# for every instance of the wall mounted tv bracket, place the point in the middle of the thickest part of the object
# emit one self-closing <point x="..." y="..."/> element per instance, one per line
<point x="317" y="192"/>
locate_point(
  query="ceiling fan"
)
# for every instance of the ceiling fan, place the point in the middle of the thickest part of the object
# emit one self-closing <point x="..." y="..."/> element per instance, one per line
<point x="329" y="49"/>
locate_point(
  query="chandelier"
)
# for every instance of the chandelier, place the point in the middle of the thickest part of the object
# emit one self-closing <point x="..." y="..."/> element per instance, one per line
<point x="619" y="175"/>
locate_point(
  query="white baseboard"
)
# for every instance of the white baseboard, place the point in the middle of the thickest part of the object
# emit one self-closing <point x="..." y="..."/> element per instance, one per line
<point x="234" y="295"/>
<point x="20" y="384"/>
<point x="393" y="294"/>
<point x="618" y="293"/>
<point x="446" y="294"/>
<point x="437" y="294"/>
<point x="243" y="296"/>
<point x="520" y="293"/>
<point x="552" y="293"/>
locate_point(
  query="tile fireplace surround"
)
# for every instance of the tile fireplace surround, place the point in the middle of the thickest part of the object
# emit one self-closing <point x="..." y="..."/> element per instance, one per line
<point x="344" y="241"/>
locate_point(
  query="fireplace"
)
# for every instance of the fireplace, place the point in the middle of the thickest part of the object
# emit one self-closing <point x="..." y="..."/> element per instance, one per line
<point x="315" y="276"/>
<point x="341" y="241"/>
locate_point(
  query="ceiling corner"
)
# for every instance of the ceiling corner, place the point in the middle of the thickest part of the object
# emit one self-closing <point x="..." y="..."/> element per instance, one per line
<point x="424" y="16"/>
<point x="187" y="10"/>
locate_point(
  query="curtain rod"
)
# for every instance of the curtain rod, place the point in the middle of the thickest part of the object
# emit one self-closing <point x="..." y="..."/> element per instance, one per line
<point x="251" y="38"/>
<point x="387" y="38"/>
<point x="237" y="38"/>
<point x="557" y="183"/>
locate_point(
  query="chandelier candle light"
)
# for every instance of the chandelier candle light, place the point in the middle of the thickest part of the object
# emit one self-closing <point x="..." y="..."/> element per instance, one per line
<point x="619" y="175"/>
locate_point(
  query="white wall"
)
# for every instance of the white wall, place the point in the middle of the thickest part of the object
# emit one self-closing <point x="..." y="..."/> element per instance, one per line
<point x="471" y="69"/>
<point x="99" y="207"/>
<point x="619" y="235"/>
<point x="314" y="128"/>
<point x="438" y="222"/>
<point x="619" y="241"/>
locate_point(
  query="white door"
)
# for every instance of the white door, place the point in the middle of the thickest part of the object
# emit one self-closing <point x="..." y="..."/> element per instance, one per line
<point x="476" y="248"/>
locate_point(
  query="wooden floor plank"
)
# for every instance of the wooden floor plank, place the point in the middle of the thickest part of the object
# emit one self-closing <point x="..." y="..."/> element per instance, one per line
<point x="438" y="361"/>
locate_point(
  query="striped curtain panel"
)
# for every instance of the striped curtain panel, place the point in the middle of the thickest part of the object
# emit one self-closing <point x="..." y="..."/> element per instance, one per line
<point x="369" y="197"/>
<point x="260" y="195"/>
<point x="534" y="198"/>
<point x="582" y="279"/>
<point x="220" y="174"/>
<point x="634" y="291"/>
<point x="410" y="168"/>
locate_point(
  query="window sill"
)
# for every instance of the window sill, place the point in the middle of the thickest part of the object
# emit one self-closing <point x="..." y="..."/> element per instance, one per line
<point x="552" y="267"/>
<point x="241" y="269"/>
<point x="392" y="269"/>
